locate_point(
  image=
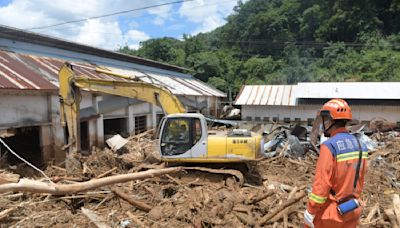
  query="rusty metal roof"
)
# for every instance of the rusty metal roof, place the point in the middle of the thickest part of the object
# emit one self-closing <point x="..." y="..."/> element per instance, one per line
<point x="267" y="95"/>
<point x="29" y="72"/>
<point x="16" y="34"/>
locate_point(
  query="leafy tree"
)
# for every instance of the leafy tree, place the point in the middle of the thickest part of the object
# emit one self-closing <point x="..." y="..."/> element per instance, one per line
<point x="290" y="41"/>
<point x="162" y="49"/>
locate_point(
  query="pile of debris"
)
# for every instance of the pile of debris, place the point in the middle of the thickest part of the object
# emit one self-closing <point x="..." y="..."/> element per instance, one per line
<point x="192" y="196"/>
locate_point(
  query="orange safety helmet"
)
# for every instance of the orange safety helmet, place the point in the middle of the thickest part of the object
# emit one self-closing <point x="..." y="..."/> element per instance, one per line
<point x="337" y="109"/>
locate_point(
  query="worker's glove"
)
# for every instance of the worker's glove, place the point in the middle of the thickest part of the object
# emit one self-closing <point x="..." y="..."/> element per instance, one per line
<point x="309" y="219"/>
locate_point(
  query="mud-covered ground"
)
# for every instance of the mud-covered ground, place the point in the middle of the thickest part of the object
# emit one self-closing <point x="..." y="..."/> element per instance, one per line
<point x="196" y="198"/>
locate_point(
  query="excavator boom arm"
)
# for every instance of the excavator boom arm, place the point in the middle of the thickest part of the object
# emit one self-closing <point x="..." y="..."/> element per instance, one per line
<point x="70" y="97"/>
<point x="138" y="90"/>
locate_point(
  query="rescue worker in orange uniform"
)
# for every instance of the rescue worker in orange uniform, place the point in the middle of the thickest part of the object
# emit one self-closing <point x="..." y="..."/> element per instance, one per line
<point x="336" y="179"/>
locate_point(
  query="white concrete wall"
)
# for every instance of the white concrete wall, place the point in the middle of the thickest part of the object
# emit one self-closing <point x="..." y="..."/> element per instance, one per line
<point x="27" y="109"/>
<point x="22" y="109"/>
<point x="35" y="109"/>
<point x="360" y="112"/>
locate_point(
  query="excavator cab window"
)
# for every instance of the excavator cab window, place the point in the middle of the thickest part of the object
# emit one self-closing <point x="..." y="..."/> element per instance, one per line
<point x="179" y="135"/>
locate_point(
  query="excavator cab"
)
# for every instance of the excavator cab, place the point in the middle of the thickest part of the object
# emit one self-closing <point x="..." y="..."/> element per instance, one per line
<point x="183" y="136"/>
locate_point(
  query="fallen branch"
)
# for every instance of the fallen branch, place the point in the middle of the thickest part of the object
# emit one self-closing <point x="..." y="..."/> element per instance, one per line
<point x="7" y="212"/>
<point x="13" y="196"/>
<point x="59" y="168"/>
<point x="288" y="203"/>
<point x="134" y="219"/>
<point x="296" y="162"/>
<point x="288" y="211"/>
<point x="372" y="213"/>
<point x="261" y="198"/>
<point x="246" y="220"/>
<point x="74" y="179"/>
<point x="138" y="204"/>
<point x="285" y="212"/>
<point x="106" y="173"/>
<point x="94" y="218"/>
<point x="27" y="185"/>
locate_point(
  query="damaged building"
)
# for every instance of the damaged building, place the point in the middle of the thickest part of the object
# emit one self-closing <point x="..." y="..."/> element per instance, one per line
<point x="29" y="102"/>
<point x="300" y="103"/>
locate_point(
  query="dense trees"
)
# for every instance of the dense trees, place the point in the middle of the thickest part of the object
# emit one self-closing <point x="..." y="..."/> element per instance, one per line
<point x="287" y="41"/>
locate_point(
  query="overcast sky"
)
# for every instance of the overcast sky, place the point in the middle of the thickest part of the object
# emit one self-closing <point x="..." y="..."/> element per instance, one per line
<point x="112" y="32"/>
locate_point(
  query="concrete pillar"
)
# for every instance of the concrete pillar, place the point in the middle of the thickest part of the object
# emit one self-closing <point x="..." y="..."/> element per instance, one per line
<point x="131" y="120"/>
<point x="98" y="125"/>
<point x="100" y="131"/>
<point x="153" y="111"/>
<point x="46" y="143"/>
<point x="57" y="131"/>
<point x="92" y="130"/>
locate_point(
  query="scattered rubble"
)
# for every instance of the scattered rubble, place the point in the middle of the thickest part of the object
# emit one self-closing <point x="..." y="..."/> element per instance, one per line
<point x="195" y="197"/>
<point x="231" y="113"/>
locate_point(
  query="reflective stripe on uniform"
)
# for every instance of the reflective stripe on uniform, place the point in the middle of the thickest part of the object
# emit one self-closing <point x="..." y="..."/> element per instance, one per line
<point x="350" y="156"/>
<point x="317" y="198"/>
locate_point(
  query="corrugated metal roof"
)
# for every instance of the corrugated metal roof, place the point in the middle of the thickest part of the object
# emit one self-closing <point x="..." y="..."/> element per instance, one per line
<point x="288" y="94"/>
<point x="16" y="34"/>
<point x="266" y="95"/>
<point x="21" y="71"/>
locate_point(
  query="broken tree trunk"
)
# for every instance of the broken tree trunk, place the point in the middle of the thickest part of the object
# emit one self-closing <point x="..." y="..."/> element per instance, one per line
<point x="138" y="204"/>
<point x="288" y="203"/>
<point x="27" y="185"/>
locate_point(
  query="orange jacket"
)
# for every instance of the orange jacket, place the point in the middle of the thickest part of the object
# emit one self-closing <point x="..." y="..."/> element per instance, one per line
<point x="335" y="172"/>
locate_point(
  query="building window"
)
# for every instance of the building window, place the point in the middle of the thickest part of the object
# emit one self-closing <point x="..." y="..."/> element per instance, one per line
<point x="140" y="124"/>
<point x="275" y="119"/>
<point x="286" y="120"/>
<point x="248" y="118"/>
<point x="257" y="118"/>
<point x="266" y="119"/>
<point x="297" y="120"/>
<point x="310" y="121"/>
<point x="115" y="126"/>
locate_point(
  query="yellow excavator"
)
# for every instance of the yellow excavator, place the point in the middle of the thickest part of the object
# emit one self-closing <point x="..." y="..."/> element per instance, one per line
<point x="183" y="137"/>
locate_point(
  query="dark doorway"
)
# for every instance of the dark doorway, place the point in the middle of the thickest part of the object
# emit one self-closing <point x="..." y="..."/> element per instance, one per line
<point x="85" y="136"/>
<point x="26" y="143"/>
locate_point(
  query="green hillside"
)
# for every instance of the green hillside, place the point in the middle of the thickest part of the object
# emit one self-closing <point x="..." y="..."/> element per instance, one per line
<point x="290" y="41"/>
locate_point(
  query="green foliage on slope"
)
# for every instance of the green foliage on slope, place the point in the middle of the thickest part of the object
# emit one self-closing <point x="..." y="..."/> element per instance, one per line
<point x="290" y="41"/>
